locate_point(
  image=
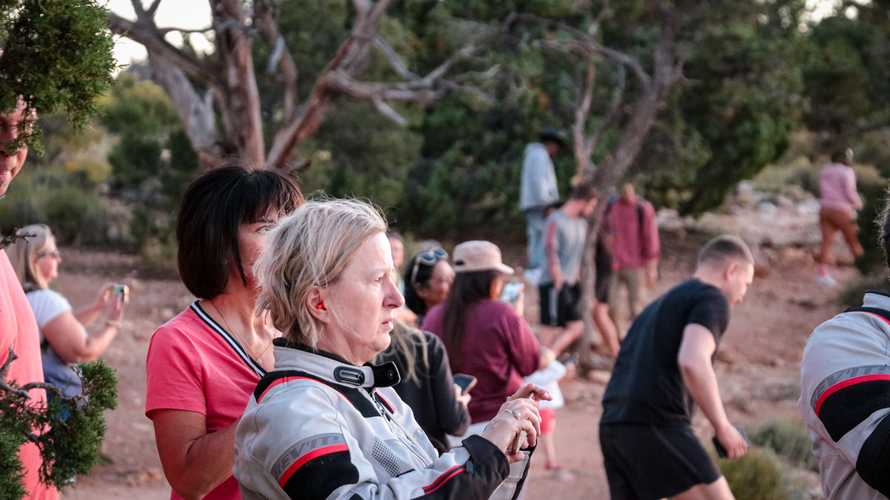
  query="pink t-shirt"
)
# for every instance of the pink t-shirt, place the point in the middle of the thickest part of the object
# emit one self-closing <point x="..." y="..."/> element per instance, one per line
<point x="193" y="364"/>
<point x="837" y="188"/>
<point x="18" y="330"/>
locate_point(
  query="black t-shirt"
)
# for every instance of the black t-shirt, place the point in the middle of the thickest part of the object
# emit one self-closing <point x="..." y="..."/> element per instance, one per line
<point x="646" y="386"/>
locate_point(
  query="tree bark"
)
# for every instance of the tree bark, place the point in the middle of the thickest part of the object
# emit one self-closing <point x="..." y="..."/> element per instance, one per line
<point x="240" y="103"/>
<point x="607" y="175"/>
<point x="196" y="111"/>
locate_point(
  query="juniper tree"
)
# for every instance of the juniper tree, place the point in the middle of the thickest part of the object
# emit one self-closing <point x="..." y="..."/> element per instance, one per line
<point x="55" y="57"/>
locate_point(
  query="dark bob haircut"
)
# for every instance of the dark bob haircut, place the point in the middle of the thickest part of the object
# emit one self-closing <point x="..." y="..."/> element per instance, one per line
<point x="213" y="207"/>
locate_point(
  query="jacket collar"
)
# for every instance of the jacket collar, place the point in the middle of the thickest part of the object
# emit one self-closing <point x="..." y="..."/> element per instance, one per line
<point x="332" y="368"/>
<point x="877" y="299"/>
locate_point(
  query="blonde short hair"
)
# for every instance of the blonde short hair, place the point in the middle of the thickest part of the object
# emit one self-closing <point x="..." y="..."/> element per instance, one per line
<point x="310" y="248"/>
<point x="23" y="251"/>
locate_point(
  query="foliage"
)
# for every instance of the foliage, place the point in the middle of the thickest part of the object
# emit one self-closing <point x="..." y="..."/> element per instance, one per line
<point x="852" y="293"/>
<point x="736" y="112"/>
<point x="758" y="475"/>
<point x="74" y="210"/>
<point x="846" y="74"/>
<point x="152" y="161"/>
<point x="73" y="428"/>
<point x="789" y="440"/>
<point x="56" y="56"/>
<point x="11" y="472"/>
<point x="347" y="161"/>
<point x="872" y="188"/>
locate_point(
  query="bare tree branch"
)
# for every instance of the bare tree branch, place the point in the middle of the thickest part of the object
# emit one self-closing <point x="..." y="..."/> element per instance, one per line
<point x="614" y="110"/>
<point x="145" y="32"/>
<point x="196" y="111"/>
<point x="387" y="111"/>
<point x="153" y="8"/>
<point x="393" y="58"/>
<point x="242" y="115"/>
<point x="414" y="91"/>
<point x="587" y="41"/>
<point x="138" y="8"/>
<point x="346" y="58"/>
<point x="184" y="31"/>
<point x="582" y="112"/>
<point x="281" y="58"/>
<point x="10" y="358"/>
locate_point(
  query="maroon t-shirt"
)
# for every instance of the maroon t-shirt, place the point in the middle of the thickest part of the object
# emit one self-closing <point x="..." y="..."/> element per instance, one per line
<point x="498" y="348"/>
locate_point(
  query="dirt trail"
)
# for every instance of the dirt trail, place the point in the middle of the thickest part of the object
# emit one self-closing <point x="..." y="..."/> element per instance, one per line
<point x="757" y="368"/>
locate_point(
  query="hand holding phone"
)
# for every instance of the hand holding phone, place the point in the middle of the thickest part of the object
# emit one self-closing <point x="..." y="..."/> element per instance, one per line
<point x="465" y="382"/>
<point x="121" y="291"/>
<point x="721" y="450"/>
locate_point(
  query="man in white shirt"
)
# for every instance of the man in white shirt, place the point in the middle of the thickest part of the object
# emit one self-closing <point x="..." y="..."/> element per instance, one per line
<point x="538" y="190"/>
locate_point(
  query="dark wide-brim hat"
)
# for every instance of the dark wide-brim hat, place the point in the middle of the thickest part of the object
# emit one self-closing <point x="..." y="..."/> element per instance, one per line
<point x="554" y="135"/>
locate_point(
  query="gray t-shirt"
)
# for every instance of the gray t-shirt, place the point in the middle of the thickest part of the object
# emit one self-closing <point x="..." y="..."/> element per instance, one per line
<point x="570" y="235"/>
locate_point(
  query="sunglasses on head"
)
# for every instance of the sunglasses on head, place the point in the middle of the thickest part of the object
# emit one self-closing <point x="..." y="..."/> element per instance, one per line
<point x="428" y="258"/>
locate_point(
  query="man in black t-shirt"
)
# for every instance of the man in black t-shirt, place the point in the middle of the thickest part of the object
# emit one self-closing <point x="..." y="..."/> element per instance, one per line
<point x="663" y="369"/>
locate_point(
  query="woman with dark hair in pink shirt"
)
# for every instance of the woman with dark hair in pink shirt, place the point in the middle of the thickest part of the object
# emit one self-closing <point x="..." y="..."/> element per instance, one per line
<point x="839" y="202"/>
<point x="203" y="364"/>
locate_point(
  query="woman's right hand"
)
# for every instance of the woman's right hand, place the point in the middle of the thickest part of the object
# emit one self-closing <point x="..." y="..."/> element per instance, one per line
<point x="106" y="295"/>
<point x="515" y="418"/>
<point x="462" y="397"/>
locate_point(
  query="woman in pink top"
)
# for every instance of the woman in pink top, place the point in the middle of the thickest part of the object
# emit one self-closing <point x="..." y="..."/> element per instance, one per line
<point x="203" y="364"/>
<point x="839" y="202"/>
<point x="18" y="328"/>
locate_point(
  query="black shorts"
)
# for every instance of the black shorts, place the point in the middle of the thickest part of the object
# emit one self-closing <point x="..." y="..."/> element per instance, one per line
<point x="562" y="307"/>
<point x="646" y="463"/>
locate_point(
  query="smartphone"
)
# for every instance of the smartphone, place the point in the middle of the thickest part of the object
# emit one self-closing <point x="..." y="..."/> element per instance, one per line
<point x="465" y="382"/>
<point x="121" y="290"/>
<point x="721" y="451"/>
<point x="511" y="291"/>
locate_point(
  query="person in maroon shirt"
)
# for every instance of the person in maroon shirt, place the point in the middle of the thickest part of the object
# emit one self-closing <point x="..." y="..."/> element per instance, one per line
<point x="632" y="235"/>
<point x="485" y="337"/>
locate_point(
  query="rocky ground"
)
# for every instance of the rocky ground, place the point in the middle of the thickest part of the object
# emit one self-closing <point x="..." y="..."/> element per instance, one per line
<point x="757" y="365"/>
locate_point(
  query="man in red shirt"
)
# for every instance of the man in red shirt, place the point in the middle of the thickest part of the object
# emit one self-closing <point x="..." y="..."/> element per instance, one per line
<point x="18" y="328"/>
<point x="632" y="234"/>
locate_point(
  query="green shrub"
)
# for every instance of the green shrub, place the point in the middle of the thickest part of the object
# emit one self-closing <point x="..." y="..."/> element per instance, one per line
<point x="873" y="190"/>
<point x="851" y="294"/>
<point x="756" y="476"/>
<point x="159" y="257"/>
<point x="77" y="214"/>
<point x="789" y="440"/>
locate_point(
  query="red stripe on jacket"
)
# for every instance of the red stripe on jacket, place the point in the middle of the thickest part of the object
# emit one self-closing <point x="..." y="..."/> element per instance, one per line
<point x="327" y="450"/>
<point x="444" y="478"/>
<point x="848" y="383"/>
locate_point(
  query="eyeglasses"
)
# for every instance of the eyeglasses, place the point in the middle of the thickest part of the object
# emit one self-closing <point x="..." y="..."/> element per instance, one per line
<point x="428" y="258"/>
<point x="54" y="254"/>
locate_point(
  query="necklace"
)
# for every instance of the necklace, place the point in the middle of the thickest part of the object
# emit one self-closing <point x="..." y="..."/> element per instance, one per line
<point x="232" y="332"/>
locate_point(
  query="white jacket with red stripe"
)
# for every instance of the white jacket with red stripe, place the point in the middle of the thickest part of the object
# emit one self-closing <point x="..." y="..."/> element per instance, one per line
<point x="845" y="400"/>
<point x="320" y="428"/>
